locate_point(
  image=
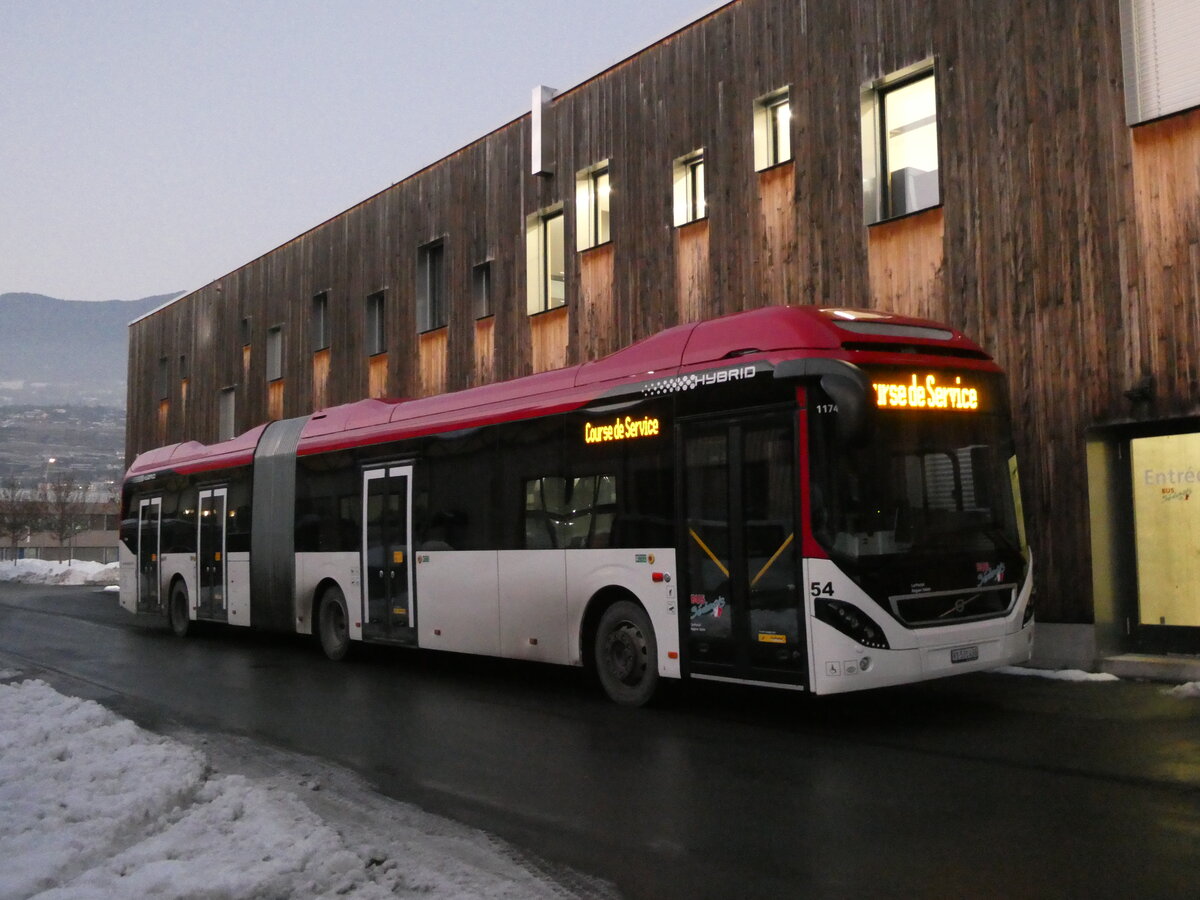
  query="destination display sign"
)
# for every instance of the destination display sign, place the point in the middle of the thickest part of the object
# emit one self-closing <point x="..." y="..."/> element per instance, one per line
<point x="928" y="391"/>
<point x="620" y="429"/>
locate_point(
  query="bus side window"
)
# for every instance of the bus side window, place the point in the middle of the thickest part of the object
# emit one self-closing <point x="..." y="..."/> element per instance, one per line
<point x="542" y="497"/>
<point x="327" y="504"/>
<point x="526" y="454"/>
<point x="237" y="533"/>
<point x="178" y="517"/>
<point x="570" y="513"/>
<point x="455" y="492"/>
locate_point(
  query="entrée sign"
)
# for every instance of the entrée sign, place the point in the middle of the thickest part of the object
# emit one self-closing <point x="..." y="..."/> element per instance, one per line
<point x="620" y="430"/>
<point x="926" y="393"/>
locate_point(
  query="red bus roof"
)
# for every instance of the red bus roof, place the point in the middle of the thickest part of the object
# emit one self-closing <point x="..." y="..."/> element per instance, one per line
<point x="745" y="338"/>
<point x="192" y="456"/>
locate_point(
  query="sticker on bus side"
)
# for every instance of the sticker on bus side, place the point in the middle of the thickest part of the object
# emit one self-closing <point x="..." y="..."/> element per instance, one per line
<point x="693" y="380"/>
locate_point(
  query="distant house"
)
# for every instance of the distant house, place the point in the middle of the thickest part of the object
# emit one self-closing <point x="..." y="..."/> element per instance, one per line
<point x="95" y="539"/>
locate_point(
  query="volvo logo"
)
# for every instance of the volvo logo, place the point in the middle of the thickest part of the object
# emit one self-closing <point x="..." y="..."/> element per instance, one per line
<point x="960" y="605"/>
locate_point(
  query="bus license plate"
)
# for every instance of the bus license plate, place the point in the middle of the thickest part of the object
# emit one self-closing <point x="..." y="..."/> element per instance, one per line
<point x="964" y="654"/>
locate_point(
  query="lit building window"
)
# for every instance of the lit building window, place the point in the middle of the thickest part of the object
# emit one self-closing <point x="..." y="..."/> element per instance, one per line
<point x="593" y="206"/>
<point x="690" y="203"/>
<point x="545" y="259"/>
<point x="900" y="145"/>
<point x="772" y="129"/>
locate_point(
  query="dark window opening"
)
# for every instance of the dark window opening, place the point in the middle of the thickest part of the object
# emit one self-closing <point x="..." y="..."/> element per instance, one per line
<point x="320" y="321"/>
<point x="431" y="287"/>
<point x="376" y="341"/>
<point x="481" y="289"/>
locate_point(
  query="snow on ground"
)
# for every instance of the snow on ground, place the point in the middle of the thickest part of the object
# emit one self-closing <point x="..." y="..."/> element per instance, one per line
<point x="43" y="571"/>
<point x="1187" y="689"/>
<point x="1057" y="674"/>
<point x="96" y="807"/>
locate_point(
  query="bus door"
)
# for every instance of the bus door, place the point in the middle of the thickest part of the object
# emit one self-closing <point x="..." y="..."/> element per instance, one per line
<point x="741" y="550"/>
<point x="388" y="603"/>
<point x="210" y="554"/>
<point x="149" y="564"/>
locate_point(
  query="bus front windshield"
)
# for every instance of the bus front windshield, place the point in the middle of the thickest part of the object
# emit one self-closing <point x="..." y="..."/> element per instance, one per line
<point x="921" y="482"/>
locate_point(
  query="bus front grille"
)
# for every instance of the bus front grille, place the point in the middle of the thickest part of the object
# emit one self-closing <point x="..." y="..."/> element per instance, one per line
<point x="949" y="607"/>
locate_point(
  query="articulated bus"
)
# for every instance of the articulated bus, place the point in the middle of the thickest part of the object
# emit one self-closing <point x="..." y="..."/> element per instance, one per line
<point x="813" y="499"/>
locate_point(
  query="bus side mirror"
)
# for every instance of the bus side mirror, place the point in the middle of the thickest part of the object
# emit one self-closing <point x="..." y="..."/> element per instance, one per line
<point x="852" y="414"/>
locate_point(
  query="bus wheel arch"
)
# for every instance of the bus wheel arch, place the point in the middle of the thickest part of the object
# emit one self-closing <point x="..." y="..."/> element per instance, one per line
<point x="178" y="607"/>
<point x="331" y="619"/>
<point x="621" y="648"/>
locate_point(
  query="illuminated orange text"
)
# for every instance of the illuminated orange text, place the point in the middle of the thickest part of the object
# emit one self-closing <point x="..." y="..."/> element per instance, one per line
<point x="927" y="394"/>
<point x="620" y="430"/>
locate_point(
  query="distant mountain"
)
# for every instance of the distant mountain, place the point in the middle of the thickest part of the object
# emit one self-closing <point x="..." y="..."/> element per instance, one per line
<point x="66" y="351"/>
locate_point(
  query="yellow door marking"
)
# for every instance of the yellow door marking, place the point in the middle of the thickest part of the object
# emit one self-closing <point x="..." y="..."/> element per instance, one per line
<point x="770" y="562"/>
<point x="711" y="555"/>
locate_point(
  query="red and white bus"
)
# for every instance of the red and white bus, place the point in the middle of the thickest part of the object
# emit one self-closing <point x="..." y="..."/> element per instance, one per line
<point x="814" y="499"/>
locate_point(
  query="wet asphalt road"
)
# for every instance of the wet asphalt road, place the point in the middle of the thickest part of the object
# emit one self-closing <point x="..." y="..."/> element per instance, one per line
<point x="979" y="786"/>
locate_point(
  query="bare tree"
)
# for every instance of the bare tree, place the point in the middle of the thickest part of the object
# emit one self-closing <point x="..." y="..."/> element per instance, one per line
<point x="64" y="508"/>
<point x="19" y="513"/>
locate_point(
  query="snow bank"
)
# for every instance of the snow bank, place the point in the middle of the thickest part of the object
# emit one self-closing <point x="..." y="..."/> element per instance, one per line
<point x="1057" y="674"/>
<point x="42" y="571"/>
<point x="95" y="807"/>
<point x="1187" y="689"/>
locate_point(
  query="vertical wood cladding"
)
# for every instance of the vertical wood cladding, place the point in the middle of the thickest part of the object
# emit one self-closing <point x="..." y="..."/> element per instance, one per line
<point x="596" y="317"/>
<point x="905" y="262"/>
<point x="432" y="350"/>
<point x="275" y="396"/>
<point x="548" y="335"/>
<point x="1066" y="242"/>
<point x="485" y="335"/>
<point x="320" y="379"/>
<point x="1166" y="179"/>
<point x="377" y="376"/>
<point x="692" y="278"/>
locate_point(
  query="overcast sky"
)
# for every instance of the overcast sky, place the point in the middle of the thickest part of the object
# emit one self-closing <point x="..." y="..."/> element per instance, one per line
<point x="148" y="147"/>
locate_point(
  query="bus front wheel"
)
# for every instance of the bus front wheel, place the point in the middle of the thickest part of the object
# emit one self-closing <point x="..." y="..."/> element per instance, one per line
<point x="177" y="612"/>
<point x="334" y="624"/>
<point x="627" y="654"/>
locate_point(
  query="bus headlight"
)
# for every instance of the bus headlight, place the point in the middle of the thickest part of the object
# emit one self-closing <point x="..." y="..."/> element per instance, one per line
<point x="852" y="622"/>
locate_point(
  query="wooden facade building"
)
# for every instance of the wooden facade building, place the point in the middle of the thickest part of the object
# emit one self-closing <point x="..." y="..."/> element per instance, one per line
<point x="1061" y="231"/>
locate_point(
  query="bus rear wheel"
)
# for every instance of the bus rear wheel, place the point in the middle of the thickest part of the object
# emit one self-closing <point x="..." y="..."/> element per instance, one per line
<point x="334" y="624"/>
<point x="177" y="610"/>
<point x="626" y="654"/>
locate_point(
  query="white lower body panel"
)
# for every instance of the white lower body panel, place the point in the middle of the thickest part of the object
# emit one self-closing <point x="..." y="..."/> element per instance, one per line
<point x="128" y="575"/>
<point x="531" y="604"/>
<point x="237" y="588"/>
<point x="458" y="601"/>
